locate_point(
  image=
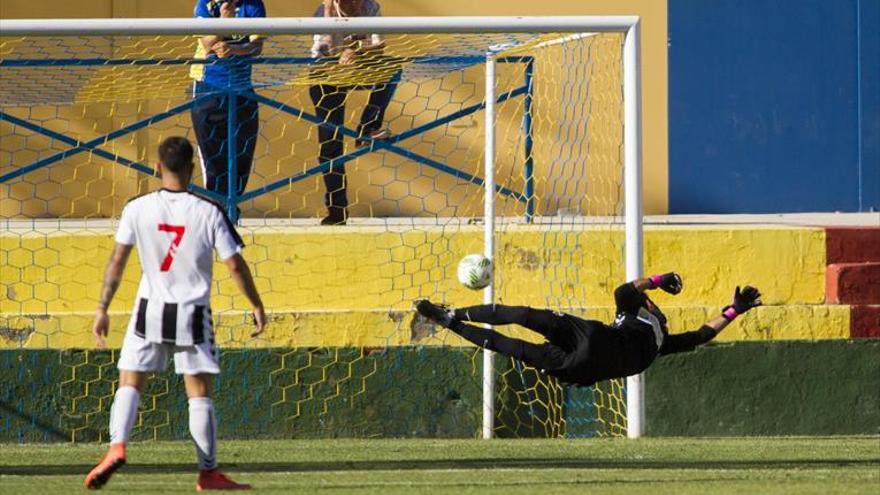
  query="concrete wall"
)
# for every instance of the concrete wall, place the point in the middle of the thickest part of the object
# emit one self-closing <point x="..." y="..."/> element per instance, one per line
<point x="306" y="201"/>
<point x="774" y="106"/>
<point x="355" y="286"/>
<point x="779" y="388"/>
<point x="746" y="388"/>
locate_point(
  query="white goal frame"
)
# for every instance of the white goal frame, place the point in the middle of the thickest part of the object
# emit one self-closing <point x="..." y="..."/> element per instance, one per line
<point x="628" y="25"/>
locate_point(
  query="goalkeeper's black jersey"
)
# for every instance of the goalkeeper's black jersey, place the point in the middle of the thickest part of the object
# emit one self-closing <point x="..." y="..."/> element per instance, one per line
<point x="627" y="347"/>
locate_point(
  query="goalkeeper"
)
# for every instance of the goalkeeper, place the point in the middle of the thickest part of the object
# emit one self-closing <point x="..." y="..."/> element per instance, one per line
<point x="583" y="352"/>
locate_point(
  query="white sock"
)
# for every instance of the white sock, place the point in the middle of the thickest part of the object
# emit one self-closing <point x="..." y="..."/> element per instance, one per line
<point x="203" y="428"/>
<point x="123" y="413"/>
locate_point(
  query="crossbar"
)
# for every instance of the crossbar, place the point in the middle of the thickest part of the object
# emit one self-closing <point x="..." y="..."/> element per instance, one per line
<point x="90" y="62"/>
<point x="311" y="25"/>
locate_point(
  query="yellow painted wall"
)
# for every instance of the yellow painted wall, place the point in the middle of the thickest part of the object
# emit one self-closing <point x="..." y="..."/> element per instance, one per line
<point x="355" y="286"/>
<point x="314" y="268"/>
<point x="85" y="179"/>
<point x="654" y="64"/>
<point x="376" y="328"/>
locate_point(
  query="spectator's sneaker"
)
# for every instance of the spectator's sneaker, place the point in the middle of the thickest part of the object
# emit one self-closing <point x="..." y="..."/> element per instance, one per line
<point x="335" y="216"/>
<point x="213" y="479"/>
<point x="113" y="460"/>
<point x="377" y="135"/>
<point x="441" y="314"/>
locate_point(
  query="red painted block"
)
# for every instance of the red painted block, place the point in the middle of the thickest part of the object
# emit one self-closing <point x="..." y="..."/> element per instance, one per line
<point x="852" y="244"/>
<point x="865" y="322"/>
<point x="852" y="283"/>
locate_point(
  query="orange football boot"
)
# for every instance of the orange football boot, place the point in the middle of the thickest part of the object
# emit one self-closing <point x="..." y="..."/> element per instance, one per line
<point x="100" y="475"/>
<point x="213" y="479"/>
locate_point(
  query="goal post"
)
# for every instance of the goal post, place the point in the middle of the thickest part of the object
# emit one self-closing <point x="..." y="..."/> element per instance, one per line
<point x="489" y="240"/>
<point x="496" y="219"/>
<point x="632" y="98"/>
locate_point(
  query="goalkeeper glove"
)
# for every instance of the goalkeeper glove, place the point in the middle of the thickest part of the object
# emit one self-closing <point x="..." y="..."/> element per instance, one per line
<point x="743" y="301"/>
<point x="669" y="282"/>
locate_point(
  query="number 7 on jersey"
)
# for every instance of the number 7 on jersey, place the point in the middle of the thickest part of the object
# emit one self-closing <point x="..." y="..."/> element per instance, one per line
<point x="178" y="231"/>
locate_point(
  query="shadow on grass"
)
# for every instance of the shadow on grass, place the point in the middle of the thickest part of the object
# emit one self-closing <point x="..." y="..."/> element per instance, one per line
<point x="430" y="465"/>
<point x="51" y="432"/>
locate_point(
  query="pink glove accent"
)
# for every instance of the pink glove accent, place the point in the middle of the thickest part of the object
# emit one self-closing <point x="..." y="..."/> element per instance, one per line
<point x="730" y="314"/>
<point x="656" y="280"/>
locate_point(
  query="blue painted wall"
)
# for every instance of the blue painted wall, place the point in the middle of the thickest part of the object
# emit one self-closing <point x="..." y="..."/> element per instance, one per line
<point x="774" y="106"/>
<point x="869" y="13"/>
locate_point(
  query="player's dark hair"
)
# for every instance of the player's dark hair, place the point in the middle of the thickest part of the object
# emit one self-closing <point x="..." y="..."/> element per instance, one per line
<point x="176" y="155"/>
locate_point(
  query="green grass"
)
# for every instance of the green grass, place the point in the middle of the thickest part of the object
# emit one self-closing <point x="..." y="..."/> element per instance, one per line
<point x="656" y="465"/>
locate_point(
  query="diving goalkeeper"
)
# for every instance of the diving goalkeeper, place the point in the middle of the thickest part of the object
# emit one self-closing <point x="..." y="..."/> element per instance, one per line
<point x="583" y="352"/>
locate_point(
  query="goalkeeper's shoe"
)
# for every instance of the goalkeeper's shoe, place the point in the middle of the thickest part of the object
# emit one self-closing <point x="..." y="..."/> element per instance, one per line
<point x="439" y="313"/>
<point x="100" y="475"/>
<point x="214" y="479"/>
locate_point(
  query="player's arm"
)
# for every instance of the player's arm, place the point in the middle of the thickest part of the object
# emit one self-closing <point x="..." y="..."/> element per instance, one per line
<point x="253" y="47"/>
<point x="628" y="296"/>
<point x="349" y="54"/>
<point x="216" y="44"/>
<point x="202" y="12"/>
<point x="112" y="279"/>
<point x="228" y="244"/>
<point x="376" y="44"/>
<point x="743" y="301"/>
<point x="209" y="41"/>
<point x="241" y="274"/>
<point x="222" y="49"/>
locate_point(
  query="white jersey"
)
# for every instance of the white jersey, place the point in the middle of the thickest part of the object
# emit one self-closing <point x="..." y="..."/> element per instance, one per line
<point x="176" y="233"/>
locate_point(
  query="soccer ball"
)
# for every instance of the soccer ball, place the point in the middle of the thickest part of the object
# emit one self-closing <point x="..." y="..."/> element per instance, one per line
<point x="475" y="271"/>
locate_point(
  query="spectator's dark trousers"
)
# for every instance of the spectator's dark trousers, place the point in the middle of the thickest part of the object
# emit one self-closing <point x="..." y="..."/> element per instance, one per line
<point x="329" y="104"/>
<point x="209" y="120"/>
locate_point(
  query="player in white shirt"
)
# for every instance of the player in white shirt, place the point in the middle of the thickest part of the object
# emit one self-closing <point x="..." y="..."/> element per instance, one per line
<point x="176" y="233"/>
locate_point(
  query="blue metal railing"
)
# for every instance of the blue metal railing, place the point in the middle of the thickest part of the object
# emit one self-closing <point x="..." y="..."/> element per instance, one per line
<point x="233" y="198"/>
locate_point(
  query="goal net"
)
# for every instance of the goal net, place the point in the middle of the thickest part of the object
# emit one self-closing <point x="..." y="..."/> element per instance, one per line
<point x="395" y="142"/>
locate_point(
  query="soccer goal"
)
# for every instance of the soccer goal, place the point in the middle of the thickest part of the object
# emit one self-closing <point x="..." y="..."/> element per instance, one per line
<point x="517" y="137"/>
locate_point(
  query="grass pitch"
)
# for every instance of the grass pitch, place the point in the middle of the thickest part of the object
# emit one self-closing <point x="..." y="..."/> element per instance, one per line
<point x="654" y="465"/>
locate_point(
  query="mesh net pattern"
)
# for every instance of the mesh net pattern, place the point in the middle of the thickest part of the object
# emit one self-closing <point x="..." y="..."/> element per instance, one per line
<point x="80" y="121"/>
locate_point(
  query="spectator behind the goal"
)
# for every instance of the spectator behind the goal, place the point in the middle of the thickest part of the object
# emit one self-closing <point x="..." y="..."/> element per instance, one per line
<point x="227" y="70"/>
<point x="329" y="100"/>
